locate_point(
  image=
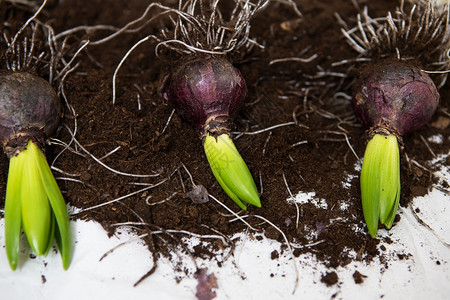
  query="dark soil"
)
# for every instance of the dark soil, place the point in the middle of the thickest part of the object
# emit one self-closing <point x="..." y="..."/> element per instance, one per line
<point x="330" y="278"/>
<point x="276" y="93"/>
<point x="358" y="277"/>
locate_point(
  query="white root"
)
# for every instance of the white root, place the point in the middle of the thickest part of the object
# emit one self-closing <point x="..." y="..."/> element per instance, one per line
<point x="405" y="35"/>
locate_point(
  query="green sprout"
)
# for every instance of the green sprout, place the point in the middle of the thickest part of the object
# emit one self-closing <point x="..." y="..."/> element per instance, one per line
<point x="35" y="204"/>
<point x="231" y="171"/>
<point x="380" y="182"/>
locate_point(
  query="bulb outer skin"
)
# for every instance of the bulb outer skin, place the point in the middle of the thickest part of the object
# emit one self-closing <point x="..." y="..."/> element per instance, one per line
<point x="204" y="89"/>
<point x="396" y="96"/>
<point x="29" y="109"/>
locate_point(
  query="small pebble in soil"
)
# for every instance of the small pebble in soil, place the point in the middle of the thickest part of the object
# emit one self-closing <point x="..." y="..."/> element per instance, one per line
<point x="206" y="284"/>
<point x="321" y="228"/>
<point x="287" y="221"/>
<point x="198" y="195"/>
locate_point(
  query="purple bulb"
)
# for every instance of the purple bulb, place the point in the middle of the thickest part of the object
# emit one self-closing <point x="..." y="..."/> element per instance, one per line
<point x="29" y="109"/>
<point x="396" y="96"/>
<point x="205" y="88"/>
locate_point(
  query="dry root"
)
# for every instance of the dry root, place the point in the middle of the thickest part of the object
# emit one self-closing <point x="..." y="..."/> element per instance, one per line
<point x="34" y="48"/>
<point x="200" y="26"/>
<point x="420" y="33"/>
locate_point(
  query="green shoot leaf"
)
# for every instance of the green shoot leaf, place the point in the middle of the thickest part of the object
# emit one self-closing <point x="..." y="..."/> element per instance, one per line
<point x="34" y="202"/>
<point x="58" y="205"/>
<point x="36" y="211"/>
<point x="231" y="171"/>
<point x="390" y="181"/>
<point x="13" y="211"/>
<point x="51" y="234"/>
<point x="380" y="182"/>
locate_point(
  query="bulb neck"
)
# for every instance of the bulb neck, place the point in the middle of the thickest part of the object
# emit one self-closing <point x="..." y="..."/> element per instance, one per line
<point x="19" y="141"/>
<point x="385" y="130"/>
<point x="215" y="126"/>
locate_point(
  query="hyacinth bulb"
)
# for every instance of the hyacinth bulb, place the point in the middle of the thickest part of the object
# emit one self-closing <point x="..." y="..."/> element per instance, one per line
<point x="392" y="99"/>
<point x="205" y="88"/>
<point x="30" y="111"/>
<point x="396" y="96"/>
<point x="208" y="92"/>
